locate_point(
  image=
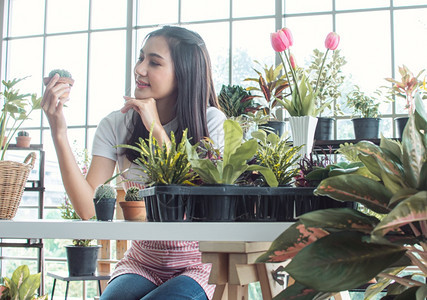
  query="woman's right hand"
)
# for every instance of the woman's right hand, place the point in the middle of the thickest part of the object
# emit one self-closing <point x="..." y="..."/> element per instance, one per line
<point x="52" y="105"/>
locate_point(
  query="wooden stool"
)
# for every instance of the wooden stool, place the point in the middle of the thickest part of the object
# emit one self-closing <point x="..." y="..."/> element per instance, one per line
<point x="233" y="268"/>
<point x="67" y="278"/>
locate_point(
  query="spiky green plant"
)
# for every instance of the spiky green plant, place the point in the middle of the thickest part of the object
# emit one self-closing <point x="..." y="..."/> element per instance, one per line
<point x="340" y="249"/>
<point x="166" y="164"/>
<point x="105" y="191"/>
<point x="132" y="194"/>
<point x="277" y="154"/>
<point x="61" y="72"/>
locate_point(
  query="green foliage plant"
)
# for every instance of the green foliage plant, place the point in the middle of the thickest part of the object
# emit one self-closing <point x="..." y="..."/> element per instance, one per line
<point x="332" y="79"/>
<point x="362" y="105"/>
<point x="16" y="108"/>
<point x="132" y="194"/>
<point x="166" y="164"/>
<point x="234" y="161"/>
<point x="235" y="101"/>
<point x="21" y="286"/>
<point x="271" y="86"/>
<point x="277" y="154"/>
<point x="340" y="249"/>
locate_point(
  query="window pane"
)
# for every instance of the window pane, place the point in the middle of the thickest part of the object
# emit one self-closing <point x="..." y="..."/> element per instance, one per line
<point x="345" y="4"/>
<point x="108" y="13"/>
<point x="409" y="2"/>
<point x="305" y="38"/>
<point x="216" y="37"/>
<point x="196" y="10"/>
<point x="366" y="47"/>
<point x="151" y="12"/>
<point x="297" y="6"/>
<point x="62" y="15"/>
<point x="21" y="65"/>
<point x="69" y="52"/>
<point x="246" y="8"/>
<point x="107" y="74"/>
<point x="410" y="43"/>
<point x="251" y="41"/>
<point x="27" y="17"/>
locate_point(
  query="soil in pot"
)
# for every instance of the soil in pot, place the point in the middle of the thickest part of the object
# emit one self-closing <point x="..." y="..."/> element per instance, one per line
<point x="82" y="261"/>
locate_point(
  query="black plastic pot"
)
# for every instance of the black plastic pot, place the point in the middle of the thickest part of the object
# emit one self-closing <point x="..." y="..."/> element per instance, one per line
<point x="278" y="127"/>
<point x="323" y="129"/>
<point x="172" y="208"/>
<point x="400" y="124"/>
<point x="82" y="260"/>
<point x="104" y="208"/>
<point x="366" y="128"/>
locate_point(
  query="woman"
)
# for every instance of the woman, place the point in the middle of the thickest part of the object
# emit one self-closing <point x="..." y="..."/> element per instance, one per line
<point x="174" y="91"/>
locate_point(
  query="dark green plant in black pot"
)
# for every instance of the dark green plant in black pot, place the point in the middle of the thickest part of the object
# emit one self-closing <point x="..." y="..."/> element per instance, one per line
<point x="339" y="249"/>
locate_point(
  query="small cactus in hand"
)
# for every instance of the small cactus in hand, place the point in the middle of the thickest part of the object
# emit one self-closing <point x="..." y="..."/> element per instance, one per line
<point x="23" y="133"/>
<point x="61" y="72"/>
<point x="132" y="194"/>
<point x="105" y="191"/>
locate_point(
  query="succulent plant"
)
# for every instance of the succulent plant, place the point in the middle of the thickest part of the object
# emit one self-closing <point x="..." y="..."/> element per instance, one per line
<point x="105" y="191"/>
<point x="61" y="72"/>
<point x="23" y="133"/>
<point x="132" y="194"/>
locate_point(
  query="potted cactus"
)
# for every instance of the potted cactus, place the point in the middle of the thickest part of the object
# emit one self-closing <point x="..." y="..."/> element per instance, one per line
<point x="105" y="201"/>
<point x="64" y="77"/>
<point x="23" y="139"/>
<point x="134" y="206"/>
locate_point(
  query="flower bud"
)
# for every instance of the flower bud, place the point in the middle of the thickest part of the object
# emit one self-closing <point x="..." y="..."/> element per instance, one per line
<point x="288" y="34"/>
<point x="332" y="40"/>
<point x="293" y="61"/>
<point x="279" y="41"/>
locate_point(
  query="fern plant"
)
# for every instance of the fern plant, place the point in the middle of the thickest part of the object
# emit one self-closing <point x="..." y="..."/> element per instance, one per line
<point x="166" y="164"/>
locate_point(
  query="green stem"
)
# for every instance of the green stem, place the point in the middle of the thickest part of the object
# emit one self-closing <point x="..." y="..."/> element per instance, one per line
<point x="402" y="281"/>
<point x="321" y="69"/>
<point x="286" y="72"/>
<point x="295" y="78"/>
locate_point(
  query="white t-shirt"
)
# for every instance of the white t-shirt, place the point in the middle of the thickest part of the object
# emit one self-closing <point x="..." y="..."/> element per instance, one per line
<point x="113" y="130"/>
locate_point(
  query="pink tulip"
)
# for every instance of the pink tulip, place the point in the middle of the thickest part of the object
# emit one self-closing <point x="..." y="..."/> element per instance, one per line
<point x="279" y="41"/>
<point x="288" y="34"/>
<point x="332" y="40"/>
<point x="293" y="61"/>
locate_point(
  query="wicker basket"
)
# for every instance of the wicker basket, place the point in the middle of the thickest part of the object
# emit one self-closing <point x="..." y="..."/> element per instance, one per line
<point x="13" y="176"/>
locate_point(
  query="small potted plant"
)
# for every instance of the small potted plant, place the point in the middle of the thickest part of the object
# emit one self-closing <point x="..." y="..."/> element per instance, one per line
<point x="365" y="111"/>
<point x="105" y="201"/>
<point x="64" y="77"/>
<point x="134" y="205"/>
<point x="23" y="139"/>
<point x="22" y="285"/>
<point x="271" y="86"/>
<point x="82" y="256"/>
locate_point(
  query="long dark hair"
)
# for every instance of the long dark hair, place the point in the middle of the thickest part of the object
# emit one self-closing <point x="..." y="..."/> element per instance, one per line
<point x="194" y="84"/>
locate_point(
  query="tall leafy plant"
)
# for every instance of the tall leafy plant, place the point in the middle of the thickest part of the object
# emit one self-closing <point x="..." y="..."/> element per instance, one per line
<point x="339" y="249"/>
<point x="234" y="162"/>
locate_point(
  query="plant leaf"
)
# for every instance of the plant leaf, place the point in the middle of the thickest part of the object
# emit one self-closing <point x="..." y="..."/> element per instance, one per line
<point x="357" y="188"/>
<point x="297" y="291"/>
<point x="413" y="155"/>
<point x="410" y="210"/>
<point x="290" y="242"/>
<point x="349" y="262"/>
<point x="339" y="218"/>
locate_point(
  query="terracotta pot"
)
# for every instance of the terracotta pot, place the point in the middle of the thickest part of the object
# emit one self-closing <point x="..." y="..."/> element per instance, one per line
<point x="4" y="141"/>
<point x="23" y="141"/>
<point x="68" y="80"/>
<point x="133" y="210"/>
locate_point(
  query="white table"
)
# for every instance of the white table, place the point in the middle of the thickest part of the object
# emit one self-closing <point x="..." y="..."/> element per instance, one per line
<point x="125" y="230"/>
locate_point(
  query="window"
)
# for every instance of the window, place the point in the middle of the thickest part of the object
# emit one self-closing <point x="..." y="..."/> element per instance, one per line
<point x="98" y="42"/>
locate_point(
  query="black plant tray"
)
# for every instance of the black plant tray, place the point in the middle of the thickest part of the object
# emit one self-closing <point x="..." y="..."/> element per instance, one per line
<point x="228" y="203"/>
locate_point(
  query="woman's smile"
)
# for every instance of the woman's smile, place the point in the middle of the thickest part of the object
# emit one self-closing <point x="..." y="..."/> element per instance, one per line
<point x="141" y="84"/>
